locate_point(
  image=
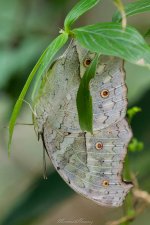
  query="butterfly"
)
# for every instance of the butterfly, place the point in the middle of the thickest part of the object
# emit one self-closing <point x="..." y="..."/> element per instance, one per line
<point x="91" y="164"/>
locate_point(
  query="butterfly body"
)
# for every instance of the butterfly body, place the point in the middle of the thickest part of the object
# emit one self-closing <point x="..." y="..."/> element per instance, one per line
<point x="90" y="163"/>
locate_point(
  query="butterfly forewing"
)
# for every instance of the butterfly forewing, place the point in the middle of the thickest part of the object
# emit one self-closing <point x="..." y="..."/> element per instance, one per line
<point x="57" y="91"/>
<point x="109" y="92"/>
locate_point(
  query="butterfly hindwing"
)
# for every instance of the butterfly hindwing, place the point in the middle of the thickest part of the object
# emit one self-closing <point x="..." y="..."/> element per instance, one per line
<point x="86" y="167"/>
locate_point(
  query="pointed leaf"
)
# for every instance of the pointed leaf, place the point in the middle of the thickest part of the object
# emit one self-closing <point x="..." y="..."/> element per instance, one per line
<point x="133" y="8"/>
<point x="84" y="99"/>
<point x="79" y="9"/>
<point x="42" y="64"/>
<point x="111" y="39"/>
<point x="52" y="49"/>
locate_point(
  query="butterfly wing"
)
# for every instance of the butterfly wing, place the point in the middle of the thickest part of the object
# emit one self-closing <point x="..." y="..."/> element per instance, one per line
<point x="57" y="95"/>
<point x="109" y="93"/>
<point x="93" y="172"/>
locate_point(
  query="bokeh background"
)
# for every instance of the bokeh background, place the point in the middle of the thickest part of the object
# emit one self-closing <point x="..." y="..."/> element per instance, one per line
<point x="26" y="28"/>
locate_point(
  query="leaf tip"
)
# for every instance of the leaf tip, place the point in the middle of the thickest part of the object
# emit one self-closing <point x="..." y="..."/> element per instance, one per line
<point x="8" y="148"/>
<point x="141" y="62"/>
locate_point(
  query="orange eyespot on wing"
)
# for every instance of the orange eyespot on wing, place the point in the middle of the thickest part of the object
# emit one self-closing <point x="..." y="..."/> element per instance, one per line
<point x="99" y="145"/>
<point x="104" y="93"/>
<point x="105" y="183"/>
<point x="87" y="62"/>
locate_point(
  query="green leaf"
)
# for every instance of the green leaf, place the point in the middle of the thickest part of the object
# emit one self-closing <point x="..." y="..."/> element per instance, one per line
<point x="52" y="49"/>
<point x="132" y="9"/>
<point x="42" y="65"/>
<point x="111" y="39"/>
<point x="79" y="9"/>
<point x="84" y="98"/>
<point x="132" y="112"/>
<point x="135" y="145"/>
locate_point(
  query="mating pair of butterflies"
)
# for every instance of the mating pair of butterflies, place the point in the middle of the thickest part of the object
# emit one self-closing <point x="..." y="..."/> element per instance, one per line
<point x="90" y="163"/>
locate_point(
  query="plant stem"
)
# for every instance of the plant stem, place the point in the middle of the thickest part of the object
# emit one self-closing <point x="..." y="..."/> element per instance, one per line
<point x="128" y="204"/>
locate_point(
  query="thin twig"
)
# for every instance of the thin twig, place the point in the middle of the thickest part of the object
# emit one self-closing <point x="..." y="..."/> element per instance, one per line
<point x="138" y="194"/>
<point x="144" y="195"/>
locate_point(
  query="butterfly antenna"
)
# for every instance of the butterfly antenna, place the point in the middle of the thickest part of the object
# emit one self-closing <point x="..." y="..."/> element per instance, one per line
<point x="28" y="124"/>
<point x="7" y="127"/>
<point x="44" y="164"/>
<point x="44" y="156"/>
<point x="34" y="113"/>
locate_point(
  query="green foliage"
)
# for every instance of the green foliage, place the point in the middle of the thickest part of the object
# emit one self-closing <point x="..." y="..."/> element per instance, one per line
<point x="20" y="58"/>
<point x="103" y="38"/>
<point x="135" y="145"/>
<point x="110" y="39"/>
<point x="133" y="8"/>
<point x="79" y="9"/>
<point x="52" y="49"/>
<point x="42" y="65"/>
<point x="84" y="98"/>
<point x="147" y="33"/>
<point x="132" y="112"/>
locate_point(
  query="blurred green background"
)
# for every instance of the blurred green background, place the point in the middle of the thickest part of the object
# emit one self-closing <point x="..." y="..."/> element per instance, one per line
<point x="26" y="28"/>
